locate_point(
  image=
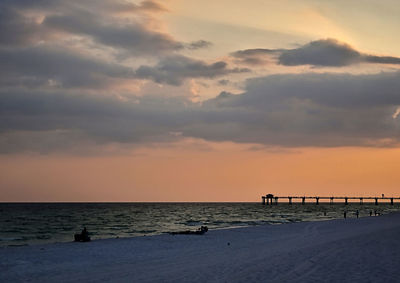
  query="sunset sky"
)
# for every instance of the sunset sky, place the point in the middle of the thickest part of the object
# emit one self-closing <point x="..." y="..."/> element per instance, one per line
<point x="212" y="100"/>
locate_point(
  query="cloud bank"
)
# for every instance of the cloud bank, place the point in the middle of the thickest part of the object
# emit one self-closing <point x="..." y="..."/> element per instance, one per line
<point x="325" y="52"/>
<point x="285" y="110"/>
<point x="63" y="61"/>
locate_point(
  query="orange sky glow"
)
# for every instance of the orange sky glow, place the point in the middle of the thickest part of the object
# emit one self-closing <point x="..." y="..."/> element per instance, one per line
<point x="229" y="175"/>
<point x="183" y="100"/>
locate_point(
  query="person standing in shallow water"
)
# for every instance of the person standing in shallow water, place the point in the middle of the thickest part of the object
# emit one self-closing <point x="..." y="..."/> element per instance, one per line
<point x="344" y="214"/>
<point x="357" y="213"/>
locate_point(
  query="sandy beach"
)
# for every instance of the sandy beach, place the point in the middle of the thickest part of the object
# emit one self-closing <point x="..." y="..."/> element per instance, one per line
<point x="351" y="250"/>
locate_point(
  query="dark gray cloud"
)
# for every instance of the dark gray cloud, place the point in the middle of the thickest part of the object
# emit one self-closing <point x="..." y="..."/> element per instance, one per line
<point x="50" y="98"/>
<point x="254" y="57"/>
<point x="56" y="120"/>
<point x="28" y="22"/>
<point x="17" y="30"/>
<point x="174" y="69"/>
<point x="44" y="65"/>
<point x="279" y="110"/>
<point x="325" y="52"/>
<point x="198" y="44"/>
<point x="35" y="39"/>
<point x="134" y="38"/>
<point x="313" y="110"/>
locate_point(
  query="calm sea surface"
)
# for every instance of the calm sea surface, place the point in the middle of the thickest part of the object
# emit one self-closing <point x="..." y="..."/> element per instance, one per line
<point x="35" y="223"/>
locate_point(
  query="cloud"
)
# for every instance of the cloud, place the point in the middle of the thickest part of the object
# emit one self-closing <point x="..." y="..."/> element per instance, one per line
<point x="75" y="44"/>
<point x="198" y="44"/>
<point x="134" y="38"/>
<point x="56" y="120"/>
<point x="17" y="30"/>
<point x="49" y="65"/>
<point x="174" y="69"/>
<point x="58" y="65"/>
<point x="325" y="52"/>
<point x="147" y="5"/>
<point x="311" y="110"/>
<point x="122" y="25"/>
<point x="254" y="57"/>
<point x="280" y="110"/>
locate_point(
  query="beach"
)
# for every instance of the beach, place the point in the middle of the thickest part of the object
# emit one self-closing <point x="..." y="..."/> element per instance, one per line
<point x="347" y="250"/>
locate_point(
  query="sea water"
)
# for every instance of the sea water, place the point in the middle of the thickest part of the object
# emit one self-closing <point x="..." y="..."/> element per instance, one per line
<point x="36" y="223"/>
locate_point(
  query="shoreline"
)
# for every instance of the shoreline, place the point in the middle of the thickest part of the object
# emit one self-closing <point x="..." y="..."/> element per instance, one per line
<point x="250" y="223"/>
<point x="349" y="250"/>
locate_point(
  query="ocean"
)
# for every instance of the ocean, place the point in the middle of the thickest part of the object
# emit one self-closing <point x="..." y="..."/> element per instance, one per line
<point x="38" y="223"/>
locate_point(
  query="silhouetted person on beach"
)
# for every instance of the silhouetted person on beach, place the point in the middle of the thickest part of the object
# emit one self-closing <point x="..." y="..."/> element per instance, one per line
<point x="85" y="233"/>
<point x="370" y="213"/>
<point x="344" y="214"/>
<point x="357" y="213"/>
<point x="83" y="236"/>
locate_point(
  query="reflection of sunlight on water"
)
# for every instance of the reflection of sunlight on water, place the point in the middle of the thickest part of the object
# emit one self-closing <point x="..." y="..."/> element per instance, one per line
<point x="39" y="223"/>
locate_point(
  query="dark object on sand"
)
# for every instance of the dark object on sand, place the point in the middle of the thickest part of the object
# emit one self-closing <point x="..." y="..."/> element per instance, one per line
<point x="83" y="236"/>
<point x="200" y="231"/>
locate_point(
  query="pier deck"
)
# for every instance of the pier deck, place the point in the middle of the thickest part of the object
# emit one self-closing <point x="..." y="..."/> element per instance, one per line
<point x="272" y="199"/>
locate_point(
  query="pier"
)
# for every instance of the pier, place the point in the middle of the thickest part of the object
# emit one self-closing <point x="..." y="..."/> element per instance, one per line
<point x="270" y="199"/>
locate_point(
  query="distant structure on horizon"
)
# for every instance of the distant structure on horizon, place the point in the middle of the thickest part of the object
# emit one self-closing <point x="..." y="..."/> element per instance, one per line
<point x="270" y="199"/>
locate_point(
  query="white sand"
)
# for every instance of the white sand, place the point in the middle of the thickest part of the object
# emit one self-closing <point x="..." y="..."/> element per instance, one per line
<point x="352" y="250"/>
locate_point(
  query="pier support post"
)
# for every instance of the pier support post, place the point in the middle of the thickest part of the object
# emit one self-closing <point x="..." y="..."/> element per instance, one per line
<point x="391" y="201"/>
<point x="290" y="200"/>
<point x="317" y="200"/>
<point x="331" y="200"/>
<point x="361" y="201"/>
<point x="376" y="201"/>
<point x="303" y="200"/>
<point x="269" y="198"/>
<point x="263" y="200"/>
<point x="346" y="200"/>
<point x="276" y="200"/>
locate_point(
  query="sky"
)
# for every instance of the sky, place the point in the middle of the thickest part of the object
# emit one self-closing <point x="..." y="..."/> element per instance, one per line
<point x="183" y="100"/>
